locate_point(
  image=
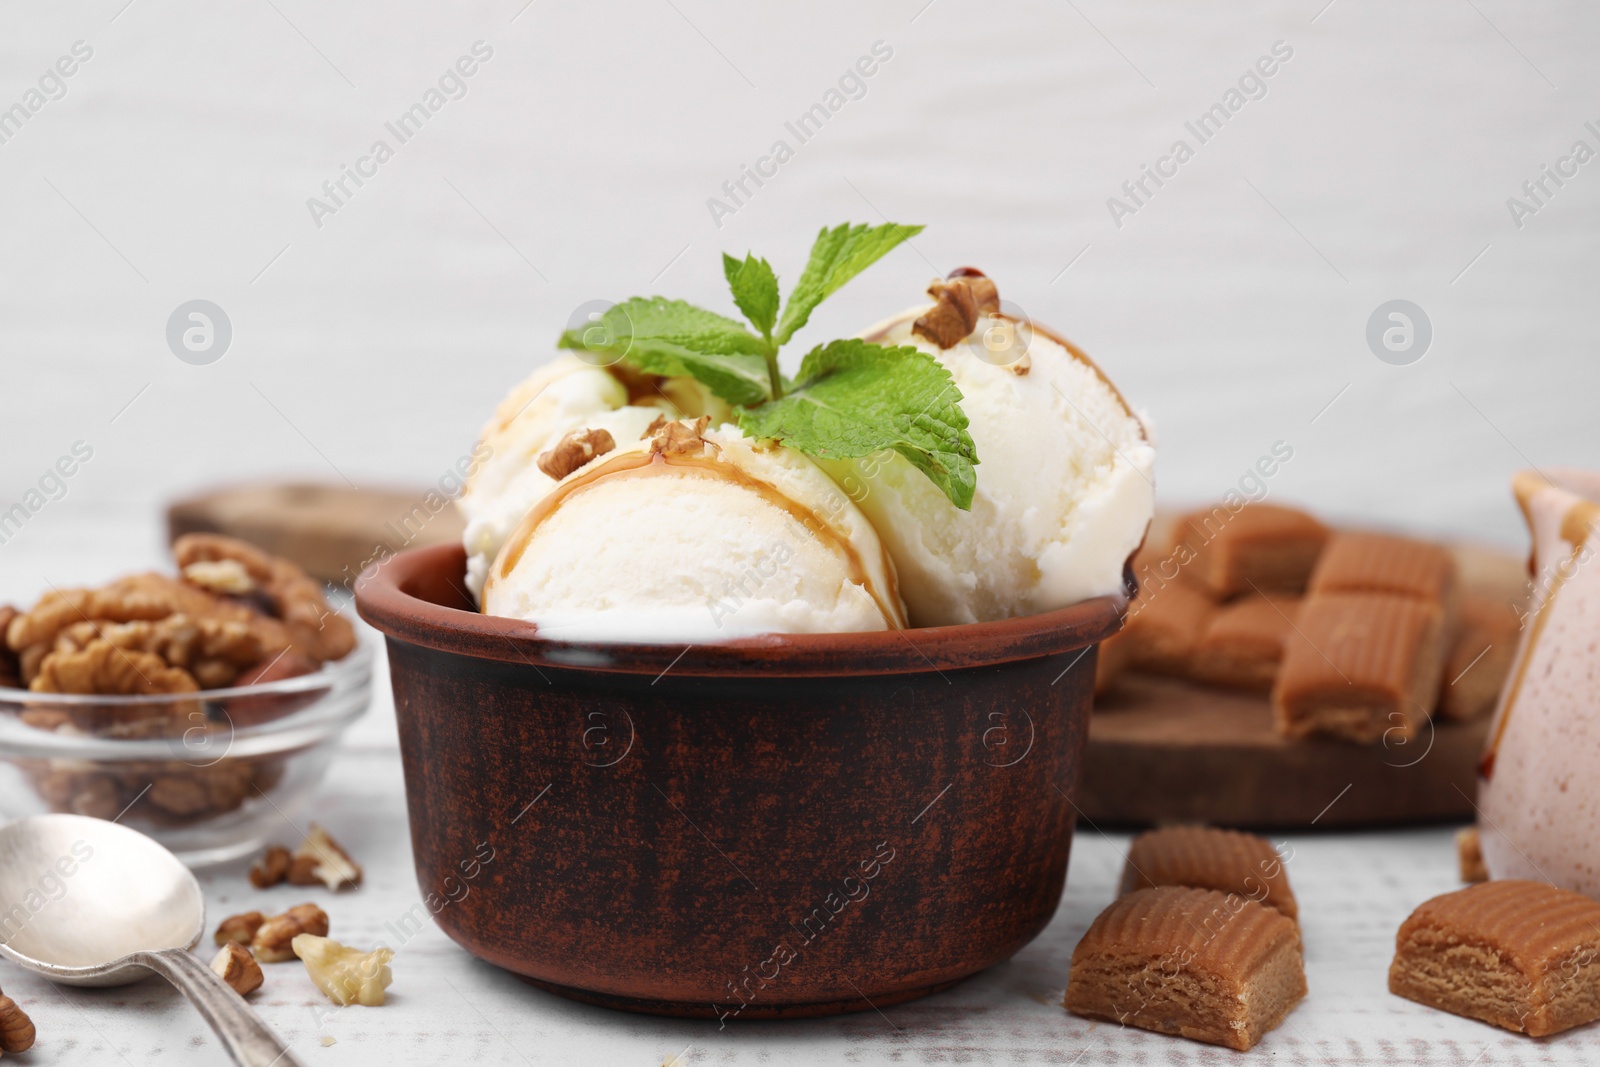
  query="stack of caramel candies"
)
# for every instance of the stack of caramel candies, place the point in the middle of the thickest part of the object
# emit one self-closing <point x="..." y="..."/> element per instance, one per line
<point x="1356" y="635"/>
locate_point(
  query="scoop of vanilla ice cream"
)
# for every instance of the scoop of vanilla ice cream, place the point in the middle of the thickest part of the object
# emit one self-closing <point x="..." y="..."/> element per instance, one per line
<point x="1065" y="482"/>
<point x="562" y="396"/>
<point x="695" y="536"/>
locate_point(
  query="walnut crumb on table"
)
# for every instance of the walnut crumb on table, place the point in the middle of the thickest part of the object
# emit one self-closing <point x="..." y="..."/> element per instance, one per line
<point x="235" y="966"/>
<point x="346" y="975"/>
<point x="16" y="1029"/>
<point x="240" y="929"/>
<point x="317" y="860"/>
<point x="272" y="941"/>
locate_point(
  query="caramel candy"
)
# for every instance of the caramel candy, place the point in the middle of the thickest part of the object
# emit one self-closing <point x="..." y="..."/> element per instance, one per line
<point x="1206" y="857"/>
<point x="1380" y="563"/>
<point x="1469" y="855"/>
<point x="1480" y="659"/>
<point x="1360" y="666"/>
<point x="1243" y="643"/>
<point x="1261" y="548"/>
<point x="1522" y="955"/>
<point x="1193" y="962"/>
<point x="1164" y="626"/>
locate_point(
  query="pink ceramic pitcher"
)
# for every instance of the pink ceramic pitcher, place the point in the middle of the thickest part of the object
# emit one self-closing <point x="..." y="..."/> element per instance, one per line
<point x="1539" y="785"/>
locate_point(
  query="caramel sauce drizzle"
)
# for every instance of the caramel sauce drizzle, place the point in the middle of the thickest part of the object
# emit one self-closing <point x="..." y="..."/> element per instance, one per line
<point x="1577" y="523"/>
<point x="1044" y="331"/>
<point x="646" y="465"/>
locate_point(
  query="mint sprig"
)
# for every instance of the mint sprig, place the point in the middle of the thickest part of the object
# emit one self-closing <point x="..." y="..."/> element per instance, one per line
<point x="755" y="291"/>
<point x="851" y="398"/>
<point x="673" y="338"/>
<point x="837" y="256"/>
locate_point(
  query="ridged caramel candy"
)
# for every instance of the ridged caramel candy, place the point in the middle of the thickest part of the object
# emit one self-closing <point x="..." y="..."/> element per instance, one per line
<point x="1243" y="642"/>
<point x="1380" y="563"/>
<point x="1165" y="625"/>
<point x="1360" y="666"/>
<point x="1522" y="955"/>
<point x="1206" y="857"/>
<point x="1204" y="965"/>
<point x="1260" y="548"/>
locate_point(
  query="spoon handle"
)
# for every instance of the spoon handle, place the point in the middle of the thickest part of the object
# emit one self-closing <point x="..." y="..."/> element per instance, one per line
<point x="249" y="1040"/>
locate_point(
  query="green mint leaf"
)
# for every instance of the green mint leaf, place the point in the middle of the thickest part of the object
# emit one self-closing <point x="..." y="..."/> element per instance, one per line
<point x="853" y="398"/>
<point x="673" y="338"/>
<point x="755" y="290"/>
<point x="837" y="256"/>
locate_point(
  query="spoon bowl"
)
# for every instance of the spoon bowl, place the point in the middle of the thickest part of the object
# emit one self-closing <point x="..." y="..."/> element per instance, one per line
<point x="87" y="902"/>
<point x="80" y="896"/>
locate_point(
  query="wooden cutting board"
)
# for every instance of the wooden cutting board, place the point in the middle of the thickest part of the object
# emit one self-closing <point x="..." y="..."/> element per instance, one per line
<point x="332" y="531"/>
<point x="1162" y="750"/>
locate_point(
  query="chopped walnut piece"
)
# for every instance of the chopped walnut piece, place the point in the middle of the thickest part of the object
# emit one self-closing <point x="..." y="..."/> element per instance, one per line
<point x="672" y="437"/>
<point x="29" y="659"/>
<point x="213" y="673"/>
<point x="77" y="792"/>
<point x="235" y="966"/>
<point x="321" y="859"/>
<point x="138" y="596"/>
<point x="272" y="941"/>
<point x="574" y="450"/>
<point x="188" y="791"/>
<point x="152" y="613"/>
<point x="97" y="796"/>
<point x="45" y="718"/>
<point x="963" y="298"/>
<point x="216" y="647"/>
<point x="240" y="928"/>
<point x="271" y="868"/>
<point x="102" y="667"/>
<point x="296" y="597"/>
<point x="227" y="577"/>
<point x="178" y="795"/>
<point x="16" y="1029"/>
<point x="346" y="975"/>
<point x="303" y="871"/>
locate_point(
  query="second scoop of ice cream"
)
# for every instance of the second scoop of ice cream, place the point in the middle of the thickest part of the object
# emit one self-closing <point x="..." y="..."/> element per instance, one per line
<point x="695" y="535"/>
<point x="1065" y="478"/>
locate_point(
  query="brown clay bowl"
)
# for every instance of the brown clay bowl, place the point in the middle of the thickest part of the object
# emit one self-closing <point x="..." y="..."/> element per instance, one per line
<point x="777" y="826"/>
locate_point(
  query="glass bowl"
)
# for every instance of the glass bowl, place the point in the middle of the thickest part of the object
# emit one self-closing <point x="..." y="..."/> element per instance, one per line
<point x="212" y="775"/>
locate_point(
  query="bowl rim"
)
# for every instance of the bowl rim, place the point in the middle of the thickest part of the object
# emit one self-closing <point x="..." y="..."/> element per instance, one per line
<point x="389" y="596"/>
<point x="351" y="667"/>
<point x="343" y="691"/>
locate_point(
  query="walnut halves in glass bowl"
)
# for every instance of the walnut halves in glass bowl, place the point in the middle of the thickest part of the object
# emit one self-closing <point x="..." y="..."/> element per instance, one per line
<point x="210" y="774"/>
<point x="201" y="708"/>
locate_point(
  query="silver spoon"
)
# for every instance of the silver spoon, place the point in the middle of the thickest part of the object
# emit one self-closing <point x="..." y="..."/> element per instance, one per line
<point x="88" y="902"/>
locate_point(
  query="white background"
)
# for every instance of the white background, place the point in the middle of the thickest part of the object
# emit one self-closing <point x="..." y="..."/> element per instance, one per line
<point x="1232" y="307"/>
